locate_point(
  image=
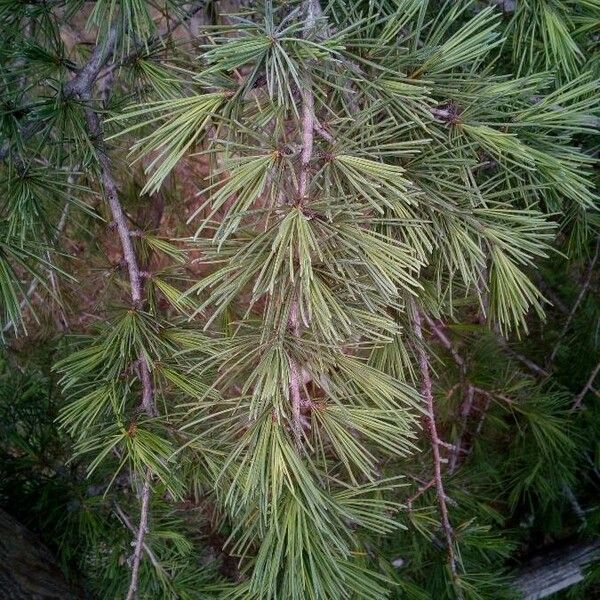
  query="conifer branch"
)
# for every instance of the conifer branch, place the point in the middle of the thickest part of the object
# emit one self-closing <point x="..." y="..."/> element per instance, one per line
<point x="427" y="393"/>
<point x="445" y="341"/>
<point x="182" y="20"/>
<point x="135" y="281"/>
<point x="168" y="30"/>
<point x="82" y="88"/>
<point x="420" y="491"/>
<point x="465" y="413"/>
<point x="311" y="9"/>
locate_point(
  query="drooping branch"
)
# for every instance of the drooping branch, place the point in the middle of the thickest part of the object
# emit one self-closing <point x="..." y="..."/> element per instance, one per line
<point x="427" y="393"/>
<point x="308" y="105"/>
<point x="135" y="282"/>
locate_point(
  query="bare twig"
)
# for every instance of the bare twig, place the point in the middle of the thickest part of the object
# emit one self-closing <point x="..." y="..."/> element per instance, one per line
<point x="465" y="413"/>
<point x="467" y="405"/>
<point x="139" y="539"/>
<point x="125" y="520"/>
<point x="420" y="491"/>
<point x="483" y="414"/>
<point x="427" y="393"/>
<point x="438" y="330"/>
<point x="586" y="388"/>
<point x="582" y="292"/>
<point x="320" y="130"/>
<point x="532" y="366"/>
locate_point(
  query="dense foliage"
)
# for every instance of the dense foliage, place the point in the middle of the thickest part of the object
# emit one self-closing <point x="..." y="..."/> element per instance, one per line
<point x="300" y="298"/>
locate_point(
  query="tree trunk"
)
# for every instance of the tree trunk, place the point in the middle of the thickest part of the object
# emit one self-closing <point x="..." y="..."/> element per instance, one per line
<point x="547" y="574"/>
<point x="28" y="570"/>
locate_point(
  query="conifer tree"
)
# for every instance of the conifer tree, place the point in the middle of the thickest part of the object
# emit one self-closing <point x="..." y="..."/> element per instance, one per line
<point x="311" y="363"/>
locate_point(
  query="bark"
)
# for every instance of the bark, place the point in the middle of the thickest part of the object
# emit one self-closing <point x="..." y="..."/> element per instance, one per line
<point x="28" y="570"/>
<point x="557" y="570"/>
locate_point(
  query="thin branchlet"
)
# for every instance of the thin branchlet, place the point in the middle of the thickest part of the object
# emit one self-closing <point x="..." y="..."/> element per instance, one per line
<point x="580" y="296"/>
<point x="139" y="544"/>
<point x="427" y="393"/>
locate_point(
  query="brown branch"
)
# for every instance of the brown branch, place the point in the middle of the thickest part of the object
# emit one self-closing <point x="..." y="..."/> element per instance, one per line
<point x="135" y="281"/>
<point x="445" y="341"/>
<point x="320" y="130"/>
<point x="427" y="393"/>
<point x="312" y="9"/>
